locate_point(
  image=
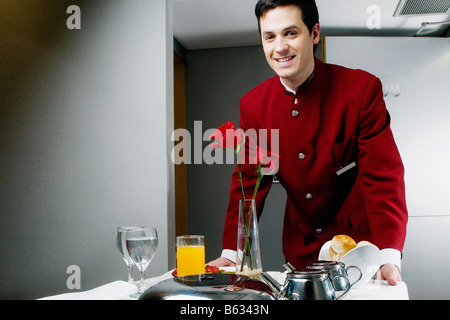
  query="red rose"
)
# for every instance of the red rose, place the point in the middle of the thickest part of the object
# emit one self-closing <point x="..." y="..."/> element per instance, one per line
<point x="227" y="136"/>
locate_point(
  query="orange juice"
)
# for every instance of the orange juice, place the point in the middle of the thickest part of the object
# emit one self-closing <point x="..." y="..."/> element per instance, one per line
<point x="190" y="260"/>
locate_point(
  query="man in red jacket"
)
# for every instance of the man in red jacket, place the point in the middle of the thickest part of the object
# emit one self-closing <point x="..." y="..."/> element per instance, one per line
<point x="339" y="163"/>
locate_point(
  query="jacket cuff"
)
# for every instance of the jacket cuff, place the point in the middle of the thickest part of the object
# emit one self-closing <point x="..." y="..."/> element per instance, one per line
<point x="391" y="256"/>
<point x="229" y="254"/>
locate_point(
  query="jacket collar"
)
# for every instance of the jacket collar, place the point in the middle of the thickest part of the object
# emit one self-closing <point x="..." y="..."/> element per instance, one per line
<point x="306" y="90"/>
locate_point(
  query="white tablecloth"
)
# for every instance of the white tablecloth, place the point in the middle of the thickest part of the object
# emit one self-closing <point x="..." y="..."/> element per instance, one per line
<point x="121" y="290"/>
<point x="379" y="290"/>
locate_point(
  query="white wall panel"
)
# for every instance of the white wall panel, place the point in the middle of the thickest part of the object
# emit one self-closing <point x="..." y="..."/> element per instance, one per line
<point x="426" y="258"/>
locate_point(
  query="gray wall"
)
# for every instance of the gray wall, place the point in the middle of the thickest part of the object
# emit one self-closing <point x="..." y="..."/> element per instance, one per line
<point x="85" y="123"/>
<point x="215" y="81"/>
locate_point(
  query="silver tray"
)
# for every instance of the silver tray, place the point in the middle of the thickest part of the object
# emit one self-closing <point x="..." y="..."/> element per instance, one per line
<point x="215" y="286"/>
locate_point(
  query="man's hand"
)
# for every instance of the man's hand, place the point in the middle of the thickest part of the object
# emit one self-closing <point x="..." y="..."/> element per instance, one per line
<point x="221" y="262"/>
<point x="390" y="273"/>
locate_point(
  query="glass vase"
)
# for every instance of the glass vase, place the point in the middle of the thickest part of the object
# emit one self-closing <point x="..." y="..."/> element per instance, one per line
<point x="248" y="260"/>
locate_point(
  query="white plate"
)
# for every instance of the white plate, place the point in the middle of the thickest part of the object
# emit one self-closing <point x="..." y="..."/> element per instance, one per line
<point x="228" y="269"/>
<point x="365" y="256"/>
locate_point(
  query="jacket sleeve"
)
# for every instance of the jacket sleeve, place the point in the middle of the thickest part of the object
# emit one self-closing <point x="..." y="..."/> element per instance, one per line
<point x="249" y="177"/>
<point x="382" y="171"/>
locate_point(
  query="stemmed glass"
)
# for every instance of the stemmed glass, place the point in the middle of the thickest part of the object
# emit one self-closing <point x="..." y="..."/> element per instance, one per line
<point x="121" y="243"/>
<point x="142" y="244"/>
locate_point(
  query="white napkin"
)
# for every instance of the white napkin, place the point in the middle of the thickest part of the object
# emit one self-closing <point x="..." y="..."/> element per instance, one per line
<point x="116" y="290"/>
<point x="152" y="281"/>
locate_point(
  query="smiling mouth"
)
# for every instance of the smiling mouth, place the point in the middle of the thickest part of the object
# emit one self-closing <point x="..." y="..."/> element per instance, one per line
<point x="285" y="59"/>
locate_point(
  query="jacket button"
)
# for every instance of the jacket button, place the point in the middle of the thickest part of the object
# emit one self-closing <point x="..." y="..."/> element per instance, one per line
<point x="294" y="113"/>
<point x="309" y="196"/>
<point x="301" y="156"/>
<point x="318" y="231"/>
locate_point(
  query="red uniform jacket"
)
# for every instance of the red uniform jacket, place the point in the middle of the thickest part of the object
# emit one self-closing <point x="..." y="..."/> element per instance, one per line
<point x="338" y="119"/>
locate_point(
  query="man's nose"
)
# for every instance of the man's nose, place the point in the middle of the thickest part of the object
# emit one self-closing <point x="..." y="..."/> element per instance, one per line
<point x="281" y="45"/>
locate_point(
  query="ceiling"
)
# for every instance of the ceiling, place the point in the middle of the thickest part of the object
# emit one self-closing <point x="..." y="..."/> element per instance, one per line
<point x="201" y="24"/>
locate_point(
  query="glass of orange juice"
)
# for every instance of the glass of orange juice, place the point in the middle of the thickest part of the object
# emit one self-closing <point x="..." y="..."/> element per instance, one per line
<point x="190" y="255"/>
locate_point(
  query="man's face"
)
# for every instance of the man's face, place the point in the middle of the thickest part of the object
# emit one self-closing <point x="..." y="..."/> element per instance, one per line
<point x="288" y="44"/>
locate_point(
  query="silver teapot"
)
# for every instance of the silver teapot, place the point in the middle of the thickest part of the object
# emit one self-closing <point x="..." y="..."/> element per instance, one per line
<point x="305" y="285"/>
<point x="337" y="273"/>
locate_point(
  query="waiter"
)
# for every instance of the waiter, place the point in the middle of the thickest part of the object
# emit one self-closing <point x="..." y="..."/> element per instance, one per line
<point x="339" y="163"/>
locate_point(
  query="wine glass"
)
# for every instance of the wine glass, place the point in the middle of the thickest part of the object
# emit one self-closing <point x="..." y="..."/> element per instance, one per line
<point x="121" y="243"/>
<point x="141" y="245"/>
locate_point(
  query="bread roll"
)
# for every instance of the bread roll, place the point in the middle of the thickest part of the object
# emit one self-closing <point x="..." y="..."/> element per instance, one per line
<point x="340" y="245"/>
<point x="363" y="243"/>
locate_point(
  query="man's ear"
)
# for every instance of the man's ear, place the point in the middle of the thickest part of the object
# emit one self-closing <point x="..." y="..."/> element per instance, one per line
<point x="315" y="33"/>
